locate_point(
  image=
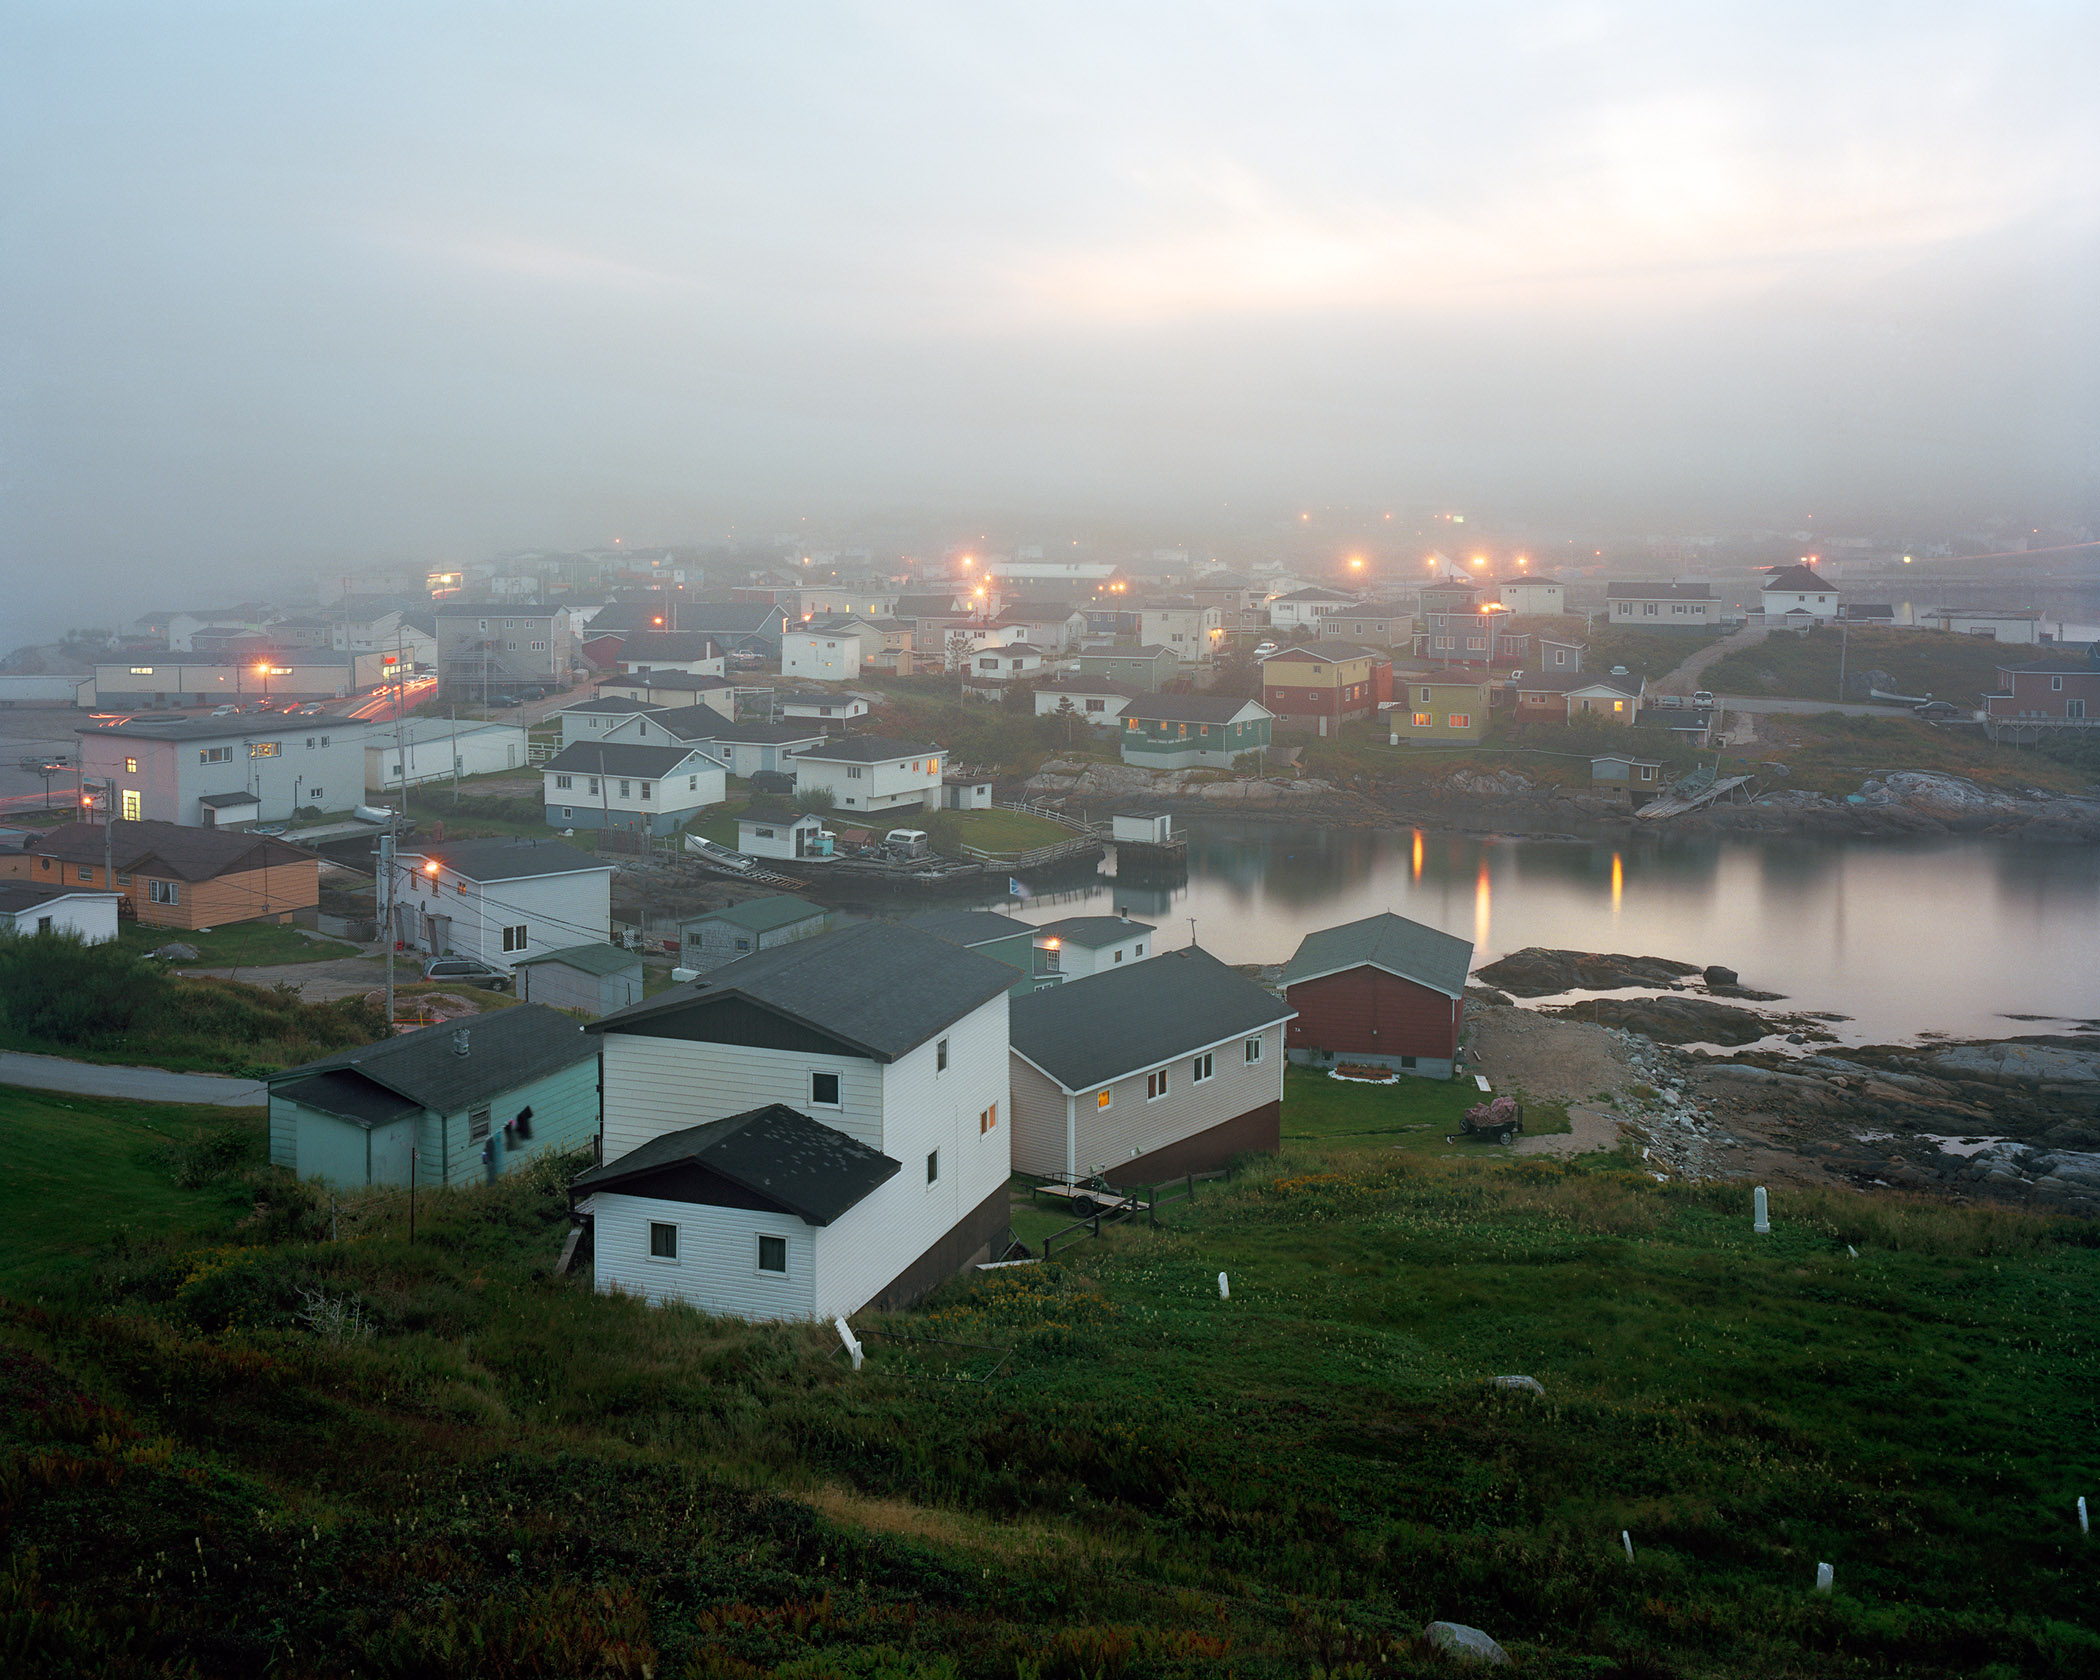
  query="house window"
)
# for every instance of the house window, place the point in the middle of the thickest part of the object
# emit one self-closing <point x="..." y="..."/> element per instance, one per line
<point x="663" y="1241"/>
<point x="514" y="938"/>
<point x="988" y="1121"/>
<point x="1407" y="1061"/>
<point x="87" y="871"/>
<point x="539" y="647"/>
<point x="564" y="781"/>
<point x="593" y="788"/>
<point x="132" y="805"/>
<point x="1618" y="705"/>
<point x="477" y="1125"/>
<point x="1201" y="1068"/>
<point x="1103" y="1099"/>
<point x="625" y="787"/>
<point x="773" y="1256"/>
<point x="1155" y="1085"/>
<point x="262" y="749"/>
<point x="823" y="1090"/>
<point x="1250" y="1052"/>
<point x="215" y="755"/>
<point x="645" y="789"/>
<point x="131" y="765"/>
<point x="1425" y="696"/>
<point x="164" y="892"/>
<point x="567" y="812"/>
<point x="2056" y="686"/>
<point x="940" y="1057"/>
<point x="324" y="740"/>
<point x="933" y="1163"/>
<point x="43" y="924"/>
<point x="1460" y="720"/>
<point x="692" y="784"/>
<point x="1425" y="720"/>
<point x="853" y="772"/>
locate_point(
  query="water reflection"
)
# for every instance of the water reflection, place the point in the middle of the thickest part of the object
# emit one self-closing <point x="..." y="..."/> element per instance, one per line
<point x="1945" y="935"/>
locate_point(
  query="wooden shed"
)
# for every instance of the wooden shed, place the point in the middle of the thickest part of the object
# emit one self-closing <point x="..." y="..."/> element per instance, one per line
<point x="596" y="979"/>
<point x="1384" y="990"/>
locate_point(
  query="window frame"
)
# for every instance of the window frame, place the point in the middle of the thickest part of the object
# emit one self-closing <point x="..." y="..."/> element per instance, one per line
<point x="1252" y="1050"/>
<point x="656" y="1256"/>
<point x="838" y="1088"/>
<point x="1203" y="1068"/>
<point x="759" y="1267"/>
<point x="1158" y="1085"/>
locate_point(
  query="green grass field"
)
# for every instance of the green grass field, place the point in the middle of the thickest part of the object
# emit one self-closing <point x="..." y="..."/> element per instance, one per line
<point x="1924" y="662"/>
<point x="512" y="1476"/>
<point x="241" y="945"/>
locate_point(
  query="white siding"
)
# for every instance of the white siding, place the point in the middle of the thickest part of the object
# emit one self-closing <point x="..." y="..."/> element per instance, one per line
<point x="659" y="1085"/>
<point x="717" y="1265"/>
<point x="831" y="656"/>
<point x="91" y="915"/>
<point x="1079" y="962"/>
<point x="557" y="911"/>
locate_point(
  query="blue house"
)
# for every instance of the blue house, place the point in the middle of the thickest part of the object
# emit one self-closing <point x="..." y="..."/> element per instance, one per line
<point x="462" y="1101"/>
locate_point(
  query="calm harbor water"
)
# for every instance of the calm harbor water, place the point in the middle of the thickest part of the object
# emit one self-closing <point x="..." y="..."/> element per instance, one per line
<point x="1950" y="936"/>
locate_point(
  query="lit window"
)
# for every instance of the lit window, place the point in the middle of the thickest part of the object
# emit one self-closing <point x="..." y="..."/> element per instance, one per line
<point x="1425" y="720"/>
<point x="1460" y="720"/>
<point x="131" y="765"/>
<point x="1102" y="1099"/>
<point x="988" y="1121"/>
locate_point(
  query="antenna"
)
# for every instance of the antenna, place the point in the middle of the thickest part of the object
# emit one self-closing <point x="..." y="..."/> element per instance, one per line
<point x="1192" y="931"/>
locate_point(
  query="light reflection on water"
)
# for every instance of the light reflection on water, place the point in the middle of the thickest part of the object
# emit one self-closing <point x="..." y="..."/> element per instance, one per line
<point x="1949" y="936"/>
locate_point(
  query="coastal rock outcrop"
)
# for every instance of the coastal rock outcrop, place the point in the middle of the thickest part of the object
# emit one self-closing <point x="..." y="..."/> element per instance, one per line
<point x="1537" y="971"/>
<point x="1674" y="1020"/>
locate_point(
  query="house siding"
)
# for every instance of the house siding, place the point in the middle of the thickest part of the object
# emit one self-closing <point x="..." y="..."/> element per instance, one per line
<point x="659" y="1085"/>
<point x="248" y="895"/>
<point x="555" y="910"/>
<point x="717" y="1265"/>
<point x="1365" y="1011"/>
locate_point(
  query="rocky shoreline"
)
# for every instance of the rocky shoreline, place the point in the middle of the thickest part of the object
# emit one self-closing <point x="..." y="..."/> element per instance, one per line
<point x="1889" y="805"/>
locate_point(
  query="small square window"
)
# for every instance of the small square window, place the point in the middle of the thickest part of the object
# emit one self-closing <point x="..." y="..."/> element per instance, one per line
<point x="824" y="1090"/>
<point x="773" y="1255"/>
<point x="663" y="1241"/>
<point x="933" y="1166"/>
<point x="1102" y="1099"/>
<point x="988" y="1121"/>
<point x="1251" y="1050"/>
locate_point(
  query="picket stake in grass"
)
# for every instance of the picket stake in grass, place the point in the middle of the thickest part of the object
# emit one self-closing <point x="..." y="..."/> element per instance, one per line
<point x="853" y="1348"/>
<point x="1224" y="1288"/>
<point x="1626" y="1540"/>
<point x="1825" y="1576"/>
<point x="1761" y="1221"/>
<point x="2084" y="1525"/>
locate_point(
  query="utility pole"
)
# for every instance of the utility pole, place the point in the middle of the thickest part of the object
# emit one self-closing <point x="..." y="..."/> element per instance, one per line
<point x="1843" y="630"/>
<point x="455" y="753"/>
<point x="386" y="907"/>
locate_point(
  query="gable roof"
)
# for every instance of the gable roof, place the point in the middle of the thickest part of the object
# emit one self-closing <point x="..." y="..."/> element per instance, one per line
<point x="749" y="732"/>
<point x="1804" y="579"/>
<point x="969" y="927"/>
<point x="1190" y="708"/>
<point x="25" y="895"/>
<point x="1149" y="652"/>
<point x="612" y="705"/>
<point x="868" y="749"/>
<point x="587" y="959"/>
<point x="506" y="1048"/>
<point x="1387" y="942"/>
<point x="1092" y="933"/>
<point x="671" y="682"/>
<point x="1644" y="591"/>
<point x="761" y="915"/>
<point x="505" y="860"/>
<point x="1088" y="1032"/>
<point x="926" y="606"/>
<point x="879" y="987"/>
<point x="1316" y="592"/>
<point x="1632" y="687"/>
<point x="810" y="1170"/>
<point x="188" y="854"/>
<point x="1071" y="683"/>
<point x="641" y="646"/>
<point x="623" y="758"/>
<point x="235" y="724"/>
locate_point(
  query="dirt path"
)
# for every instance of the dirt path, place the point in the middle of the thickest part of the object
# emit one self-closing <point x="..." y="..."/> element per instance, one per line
<point x="1554" y="1060"/>
<point x="1685" y="678"/>
<point x="321" y="982"/>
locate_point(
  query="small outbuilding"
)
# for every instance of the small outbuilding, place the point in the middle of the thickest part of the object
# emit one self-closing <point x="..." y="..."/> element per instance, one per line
<point x="1627" y="771"/>
<point x="1384" y="990"/>
<point x="1081" y="946"/>
<point x="768" y="830"/>
<point x="596" y="979"/>
<point x="963" y="792"/>
<point x="456" y="1103"/>
<point x="30" y="909"/>
<point x="707" y="941"/>
<point x="1141" y="828"/>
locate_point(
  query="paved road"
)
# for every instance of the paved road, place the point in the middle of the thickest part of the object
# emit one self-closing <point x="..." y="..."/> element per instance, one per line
<point x="1765" y="703"/>
<point x="141" y="1084"/>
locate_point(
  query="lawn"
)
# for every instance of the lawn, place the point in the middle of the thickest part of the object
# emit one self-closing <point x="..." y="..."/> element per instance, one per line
<point x="1645" y="653"/>
<point x="512" y="1476"/>
<point x="239" y="945"/>
<point x="1830" y="752"/>
<point x="1922" y="662"/>
<point x="1006" y="831"/>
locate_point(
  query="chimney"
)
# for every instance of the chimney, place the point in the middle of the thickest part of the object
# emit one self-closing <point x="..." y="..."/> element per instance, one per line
<point x="459" y="1041"/>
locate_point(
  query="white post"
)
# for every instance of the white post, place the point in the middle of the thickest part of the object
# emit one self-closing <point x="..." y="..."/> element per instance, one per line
<point x="1824" y="1577"/>
<point x="2084" y="1526"/>
<point x="1224" y="1288"/>
<point x="853" y="1347"/>
<point x="1626" y="1540"/>
<point x="1762" y="1223"/>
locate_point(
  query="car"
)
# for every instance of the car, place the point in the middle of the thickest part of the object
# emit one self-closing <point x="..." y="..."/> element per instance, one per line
<point x="505" y="700"/>
<point x="1620" y="671"/>
<point x="267" y="828"/>
<point x="224" y="711"/>
<point x="1937" y="709"/>
<point x="471" y="971"/>
<point x="1264" y="650"/>
<point x="1703" y="698"/>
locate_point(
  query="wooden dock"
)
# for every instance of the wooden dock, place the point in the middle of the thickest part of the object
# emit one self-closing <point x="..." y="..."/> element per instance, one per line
<point x="1675" y="803"/>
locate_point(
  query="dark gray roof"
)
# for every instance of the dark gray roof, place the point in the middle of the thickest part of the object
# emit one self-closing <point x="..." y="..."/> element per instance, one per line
<point x="165" y="848"/>
<point x="587" y="959"/>
<point x="1804" y="579"/>
<point x="1088" y="1032"/>
<point x="1658" y="592"/>
<point x="1093" y="932"/>
<point x="640" y="646"/>
<point x="1634" y="687"/>
<point x="161" y="727"/>
<point x="504" y="860"/>
<point x="1085" y="685"/>
<point x="1190" y="708"/>
<point x="349" y="1096"/>
<point x="227" y="801"/>
<point x="1316" y="592"/>
<point x="671" y="682"/>
<point x="1388" y="942"/>
<point x="880" y="987"/>
<point x="620" y="704"/>
<point x="26" y="895"/>
<point x="869" y="749"/>
<point x="620" y="758"/>
<point x="506" y="1048"/>
<point x="968" y="927"/>
<point x="813" y="1171"/>
<point x="761" y="915"/>
<point x="1150" y="652"/>
<point x="926" y="606"/>
<point x="753" y="733"/>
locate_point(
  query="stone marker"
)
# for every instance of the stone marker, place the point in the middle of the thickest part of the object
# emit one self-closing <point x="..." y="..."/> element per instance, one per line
<point x="1467" y="1644"/>
<point x="1761" y="1223"/>
<point x="1531" y="1385"/>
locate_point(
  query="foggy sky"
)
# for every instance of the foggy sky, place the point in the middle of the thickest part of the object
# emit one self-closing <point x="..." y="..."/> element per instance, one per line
<point x="348" y="282"/>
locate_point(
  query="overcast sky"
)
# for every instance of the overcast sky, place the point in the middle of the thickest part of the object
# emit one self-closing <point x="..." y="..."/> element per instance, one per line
<point x="292" y="282"/>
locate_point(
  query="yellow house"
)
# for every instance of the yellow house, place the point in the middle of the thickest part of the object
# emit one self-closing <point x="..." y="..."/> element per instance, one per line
<point x="1433" y="710"/>
<point x="1607" y="699"/>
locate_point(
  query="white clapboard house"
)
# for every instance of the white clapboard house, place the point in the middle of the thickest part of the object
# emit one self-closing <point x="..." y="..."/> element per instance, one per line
<point x="624" y="784"/>
<point x="805" y="1132"/>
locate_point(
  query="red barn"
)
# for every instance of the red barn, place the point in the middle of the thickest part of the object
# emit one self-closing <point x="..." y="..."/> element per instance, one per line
<point x="1383" y="990"/>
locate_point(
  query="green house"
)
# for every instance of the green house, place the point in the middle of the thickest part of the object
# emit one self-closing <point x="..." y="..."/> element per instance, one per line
<point x="1144" y="670"/>
<point x="1430" y="709"/>
<point x="452" y="1103"/>
<point x="1177" y="731"/>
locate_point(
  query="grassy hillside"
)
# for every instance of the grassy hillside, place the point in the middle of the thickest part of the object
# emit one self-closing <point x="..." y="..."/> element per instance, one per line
<point x="1948" y="667"/>
<point x="1645" y="653"/>
<point x="1100" y="1468"/>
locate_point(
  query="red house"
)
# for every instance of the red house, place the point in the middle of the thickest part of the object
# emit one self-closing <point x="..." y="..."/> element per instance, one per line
<point x="1384" y="990"/>
<point x="2032" y="698"/>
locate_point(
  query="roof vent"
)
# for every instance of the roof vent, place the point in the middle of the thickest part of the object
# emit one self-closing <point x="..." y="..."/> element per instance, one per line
<point x="459" y="1042"/>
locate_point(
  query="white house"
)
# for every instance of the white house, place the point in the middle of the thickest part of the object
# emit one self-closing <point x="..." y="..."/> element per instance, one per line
<point x="30" y="909"/>
<point x="820" y="654"/>
<point x="1994" y="624"/>
<point x="1147" y="1072"/>
<point x="1095" y="699"/>
<point x="1081" y="946"/>
<point x="808" y="1131"/>
<point x="1190" y="628"/>
<point x="1534" y="595"/>
<point x="1015" y="662"/>
<point x="871" y="773"/>
<point x="206" y="771"/>
<point x="1661" y="605"/>
<point x="500" y="900"/>
<point x="616" y="784"/>
<point x="1302" y="609"/>
<point x="671" y="652"/>
<point x="673" y="690"/>
<point x="833" y="709"/>
<point x="750" y="747"/>
<point x="419" y="750"/>
<point x="1798" y="597"/>
<point x="602" y="719"/>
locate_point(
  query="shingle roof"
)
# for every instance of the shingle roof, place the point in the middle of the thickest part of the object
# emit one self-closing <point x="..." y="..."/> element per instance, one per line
<point x="1088" y="1032"/>
<point x="504" y="860"/>
<point x="1632" y="687"/>
<point x="880" y="987"/>
<point x="228" y="801"/>
<point x="813" y="1171"/>
<point x="188" y="854"/>
<point x="207" y="728"/>
<point x="25" y="895"/>
<point x="1802" y="578"/>
<point x="619" y="704"/>
<point x="1150" y="651"/>
<point x="751" y="733"/>
<point x="620" y="758"/>
<point x="761" y="915"/>
<point x="1641" y="591"/>
<point x="506" y="1048"/>
<point x="1189" y="708"/>
<point x="587" y="959"/>
<point x="1072" y="684"/>
<point x="968" y="927"/>
<point x="869" y="749"/>
<point x="1093" y="932"/>
<point x="1315" y="593"/>
<point x="1388" y="942"/>
<point x="678" y="682"/>
<point x="641" y="646"/>
<point x="349" y="1096"/>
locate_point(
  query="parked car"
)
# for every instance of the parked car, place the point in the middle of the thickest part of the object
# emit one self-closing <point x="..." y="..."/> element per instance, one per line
<point x="1264" y="650"/>
<point x="1703" y="699"/>
<point x="471" y="971"/>
<point x="505" y="700"/>
<point x="224" y="711"/>
<point x="1937" y="709"/>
